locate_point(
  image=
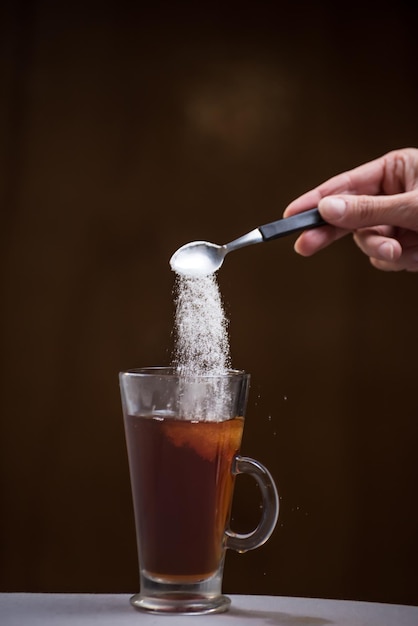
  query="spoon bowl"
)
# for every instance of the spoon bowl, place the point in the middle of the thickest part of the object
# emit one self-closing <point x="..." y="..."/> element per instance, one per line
<point x="198" y="258"/>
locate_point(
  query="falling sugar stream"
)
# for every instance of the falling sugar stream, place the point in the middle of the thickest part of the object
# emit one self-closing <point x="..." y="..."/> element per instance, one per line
<point x="201" y="345"/>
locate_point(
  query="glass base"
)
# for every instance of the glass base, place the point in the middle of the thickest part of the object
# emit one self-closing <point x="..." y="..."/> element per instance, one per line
<point x="181" y="604"/>
<point x="182" y="598"/>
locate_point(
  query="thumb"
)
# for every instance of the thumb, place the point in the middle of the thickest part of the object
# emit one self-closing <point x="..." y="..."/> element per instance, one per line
<point x="353" y="212"/>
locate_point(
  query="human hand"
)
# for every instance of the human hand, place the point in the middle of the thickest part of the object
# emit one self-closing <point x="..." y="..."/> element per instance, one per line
<point x="377" y="202"/>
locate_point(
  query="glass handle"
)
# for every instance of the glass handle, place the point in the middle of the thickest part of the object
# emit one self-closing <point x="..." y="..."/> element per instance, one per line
<point x="270" y="506"/>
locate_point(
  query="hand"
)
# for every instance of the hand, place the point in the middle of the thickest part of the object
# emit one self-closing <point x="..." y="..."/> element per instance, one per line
<point x="377" y="202"/>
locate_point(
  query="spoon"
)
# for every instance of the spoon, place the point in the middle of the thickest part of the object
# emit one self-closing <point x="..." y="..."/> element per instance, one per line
<point x="200" y="258"/>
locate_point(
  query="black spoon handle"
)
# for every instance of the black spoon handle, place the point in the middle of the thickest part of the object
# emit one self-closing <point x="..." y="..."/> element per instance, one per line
<point x="289" y="225"/>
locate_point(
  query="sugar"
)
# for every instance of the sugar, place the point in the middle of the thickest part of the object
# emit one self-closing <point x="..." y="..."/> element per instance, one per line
<point x="201" y="352"/>
<point x="201" y="327"/>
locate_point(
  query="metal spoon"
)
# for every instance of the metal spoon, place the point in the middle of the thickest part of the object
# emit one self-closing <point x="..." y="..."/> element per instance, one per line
<point x="200" y="258"/>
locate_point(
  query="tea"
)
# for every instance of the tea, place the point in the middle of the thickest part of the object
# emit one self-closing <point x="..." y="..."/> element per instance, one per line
<point x="182" y="490"/>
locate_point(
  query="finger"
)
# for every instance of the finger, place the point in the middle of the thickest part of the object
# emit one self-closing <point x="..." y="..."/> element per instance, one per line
<point x="311" y="241"/>
<point x="395" y="172"/>
<point x="408" y="261"/>
<point x="308" y="200"/>
<point x="375" y="245"/>
<point x="354" y="212"/>
<point x="365" y="179"/>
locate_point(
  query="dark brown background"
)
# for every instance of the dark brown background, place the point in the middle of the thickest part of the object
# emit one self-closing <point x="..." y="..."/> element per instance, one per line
<point x="126" y="132"/>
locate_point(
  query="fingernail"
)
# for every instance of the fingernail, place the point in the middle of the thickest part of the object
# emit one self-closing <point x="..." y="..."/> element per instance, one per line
<point x="332" y="208"/>
<point x="387" y="251"/>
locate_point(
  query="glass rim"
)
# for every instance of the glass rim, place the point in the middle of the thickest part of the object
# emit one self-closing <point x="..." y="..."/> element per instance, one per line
<point x="171" y="372"/>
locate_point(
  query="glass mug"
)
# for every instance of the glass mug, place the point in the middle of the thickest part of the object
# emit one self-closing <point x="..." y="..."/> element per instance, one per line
<point x="183" y="437"/>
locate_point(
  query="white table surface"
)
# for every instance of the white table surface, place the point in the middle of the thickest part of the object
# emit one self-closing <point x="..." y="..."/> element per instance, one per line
<point x="46" y="609"/>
